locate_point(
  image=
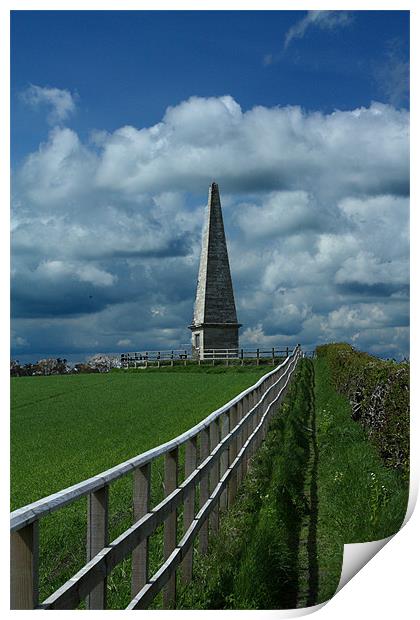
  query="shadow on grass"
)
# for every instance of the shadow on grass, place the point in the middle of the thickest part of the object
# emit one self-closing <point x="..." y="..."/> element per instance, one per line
<point x="312" y="547"/>
<point x="255" y="560"/>
<point x="288" y="518"/>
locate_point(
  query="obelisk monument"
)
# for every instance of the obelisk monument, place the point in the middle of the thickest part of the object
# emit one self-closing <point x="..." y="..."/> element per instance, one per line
<point x="214" y="325"/>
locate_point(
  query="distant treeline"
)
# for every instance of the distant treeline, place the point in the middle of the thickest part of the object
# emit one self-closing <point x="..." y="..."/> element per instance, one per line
<point x="59" y="366"/>
<point x="378" y="392"/>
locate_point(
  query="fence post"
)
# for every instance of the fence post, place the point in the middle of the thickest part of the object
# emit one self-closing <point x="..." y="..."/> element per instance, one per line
<point x="264" y="406"/>
<point x="97" y="539"/>
<point x="242" y="438"/>
<point x="204" y="489"/>
<point x="258" y="357"/>
<point x="24" y="550"/>
<point x="169" y="528"/>
<point x="262" y="411"/>
<point x="258" y="417"/>
<point x="141" y="506"/>
<point x="245" y="434"/>
<point x="250" y="425"/>
<point x="189" y="505"/>
<point x="224" y="459"/>
<point x="273" y="356"/>
<point x="240" y="441"/>
<point x="233" y="482"/>
<point x="255" y="421"/>
<point x="214" y="474"/>
<point x="242" y="357"/>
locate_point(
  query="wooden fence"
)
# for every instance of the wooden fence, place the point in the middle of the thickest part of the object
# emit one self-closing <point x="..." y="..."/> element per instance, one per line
<point x="216" y="455"/>
<point x="177" y="356"/>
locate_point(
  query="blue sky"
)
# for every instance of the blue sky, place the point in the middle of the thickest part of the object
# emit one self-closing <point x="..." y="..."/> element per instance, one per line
<point x="120" y="120"/>
<point x="128" y="67"/>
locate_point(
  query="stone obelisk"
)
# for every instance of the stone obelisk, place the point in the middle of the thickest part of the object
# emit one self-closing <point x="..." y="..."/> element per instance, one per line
<point x="215" y="325"/>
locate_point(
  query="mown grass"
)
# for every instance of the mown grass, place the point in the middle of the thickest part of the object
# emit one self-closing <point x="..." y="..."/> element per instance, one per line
<point x="65" y="429"/>
<point x="316" y="483"/>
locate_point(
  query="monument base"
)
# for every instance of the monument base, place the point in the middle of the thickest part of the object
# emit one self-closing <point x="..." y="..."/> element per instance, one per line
<point x="212" y="336"/>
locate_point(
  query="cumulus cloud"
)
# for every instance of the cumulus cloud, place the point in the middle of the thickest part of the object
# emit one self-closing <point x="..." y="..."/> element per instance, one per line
<point x="364" y="315"/>
<point x="283" y="213"/>
<point x="366" y="268"/>
<point x="61" y="103"/>
<point x="107" y="233"/>
<point x="60" y="171"/>
<point x="365" y="150"/>
<point x="57" y="270"/>
<point x="324" y="20"/>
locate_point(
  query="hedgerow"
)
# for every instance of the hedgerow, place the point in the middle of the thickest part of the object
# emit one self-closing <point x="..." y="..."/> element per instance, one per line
<point x="378" y="392"/>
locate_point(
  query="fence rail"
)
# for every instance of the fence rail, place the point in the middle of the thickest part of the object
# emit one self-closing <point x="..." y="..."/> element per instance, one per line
<point x="216" y="455"/>
<point x="143" y="358"/>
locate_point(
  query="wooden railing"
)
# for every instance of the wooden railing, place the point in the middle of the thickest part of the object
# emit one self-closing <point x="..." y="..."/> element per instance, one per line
<point x="221" y="354"/>
<point x="216" y="456"/>
<point x="143" y="358"/>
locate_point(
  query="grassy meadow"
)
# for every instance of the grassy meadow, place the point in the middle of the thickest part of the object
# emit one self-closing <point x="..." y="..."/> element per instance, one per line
<point x="65" y="429"/>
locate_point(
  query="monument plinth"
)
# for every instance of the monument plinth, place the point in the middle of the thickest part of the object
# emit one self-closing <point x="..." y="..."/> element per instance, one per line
<point x="214" y="325"/>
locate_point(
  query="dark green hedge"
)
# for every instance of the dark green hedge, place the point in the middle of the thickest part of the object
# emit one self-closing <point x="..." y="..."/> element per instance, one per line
<point x="378" y="391"/>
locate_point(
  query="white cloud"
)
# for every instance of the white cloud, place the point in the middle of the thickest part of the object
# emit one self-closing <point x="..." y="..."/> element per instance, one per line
<point x="366" y="268"/>
<point x="59" y="172"/>
<point x="96" y="276"/>
<point x="283" y="213"/>
<point x="61" y="102"/>
<point x="255" y="335"/>
<point x="263" y="148"/>
<point x="57" y="270"/>
<point x="106" y="234"/>
<point x="18" y="342"/>
<point x="357" y="317"/>
<point x="325" y="20"/>
<point x="345" y="152"/>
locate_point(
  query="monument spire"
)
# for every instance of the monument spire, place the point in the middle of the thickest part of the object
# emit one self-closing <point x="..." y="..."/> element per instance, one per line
<point x="215" y="324"/>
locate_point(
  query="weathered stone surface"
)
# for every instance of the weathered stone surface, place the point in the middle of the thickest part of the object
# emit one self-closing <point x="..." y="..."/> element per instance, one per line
<point x="215" y="324"/>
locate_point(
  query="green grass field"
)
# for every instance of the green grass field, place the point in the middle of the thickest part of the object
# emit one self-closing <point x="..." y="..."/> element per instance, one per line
<point x="65" y="429"/>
